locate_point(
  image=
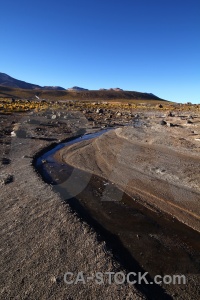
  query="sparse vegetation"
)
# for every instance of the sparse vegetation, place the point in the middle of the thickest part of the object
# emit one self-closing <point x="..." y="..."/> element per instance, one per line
<point x="10" y="105"/>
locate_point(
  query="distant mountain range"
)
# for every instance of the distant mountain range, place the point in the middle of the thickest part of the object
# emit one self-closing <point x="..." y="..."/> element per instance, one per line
<point x="77" y="88"/>
<point x="112" y="89"/>
<point x="6" y="80"/>
<point x="11" y="87"/>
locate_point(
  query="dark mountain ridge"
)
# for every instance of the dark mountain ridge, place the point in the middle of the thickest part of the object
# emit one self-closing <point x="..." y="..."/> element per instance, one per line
<point x="14" y="88"/>
<point x="8" y="81"/>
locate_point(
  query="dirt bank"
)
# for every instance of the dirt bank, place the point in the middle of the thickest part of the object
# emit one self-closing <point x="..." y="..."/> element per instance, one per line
<point x="159" y="163"/>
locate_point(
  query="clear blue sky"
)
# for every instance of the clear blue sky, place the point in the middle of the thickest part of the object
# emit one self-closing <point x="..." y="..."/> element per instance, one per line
<point x="142" y="45"/>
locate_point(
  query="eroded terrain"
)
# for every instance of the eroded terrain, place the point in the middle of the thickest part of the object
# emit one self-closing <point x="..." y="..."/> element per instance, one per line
<point x="42" y="237"/>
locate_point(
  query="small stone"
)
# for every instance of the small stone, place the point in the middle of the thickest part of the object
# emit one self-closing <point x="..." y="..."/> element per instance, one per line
<point x="8" y="179"/>
<point x="13" y="134"/>
<point x="163" y="122"/>
<point x="5" y="161"/>
<point x="21" y="133"/>
<point x="55" y="279"/>
<point x="90" y="119"/>
<point x="99" y="111"/>
<point x="170" y="125"/>
<point x="160" y="106"/>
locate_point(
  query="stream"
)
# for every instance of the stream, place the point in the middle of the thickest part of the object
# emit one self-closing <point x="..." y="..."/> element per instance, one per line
<point x="142" y="240"/>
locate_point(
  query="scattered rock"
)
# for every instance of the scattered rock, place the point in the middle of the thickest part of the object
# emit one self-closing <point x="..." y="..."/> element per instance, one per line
<point x="8" y="179"/>
<point x="170" y="125"/>
<point x="159" y="106"/>
<point x="90" y="119"/>
<point x="13" y="134"/>
<point x="163" y="122"/>
<point x="21" y="133"/>
<point x="55" y="279"/>
<point x="5" y="161"/>
<point x="99" y="111"/>
<point x="137" y="116"/>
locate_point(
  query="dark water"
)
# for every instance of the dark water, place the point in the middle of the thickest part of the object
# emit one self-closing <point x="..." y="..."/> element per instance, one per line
<point x="139" y="238"/>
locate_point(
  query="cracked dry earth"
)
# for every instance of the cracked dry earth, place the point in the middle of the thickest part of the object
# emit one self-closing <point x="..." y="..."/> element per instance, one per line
<point x="41" y="238"/>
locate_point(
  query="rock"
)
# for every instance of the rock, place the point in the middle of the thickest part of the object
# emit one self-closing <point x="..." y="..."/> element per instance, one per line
<point x="8" y="179"/>
<point x="159" y="106"/>
<point x="163" y="122"/>
<point x="189" y="122"/>
<point x="5" y="161"/>
<point x="90" y="119"/>
<point x="99" y="111"/>
<point x="21" y="133"/>
<point x="119" y="114"/>
<point x="170" y="114"/>
<point x="55" y="279"/>
<point x="171" y="125"/>
<point x="53" y="117"/>
<point x="13" y="134"/>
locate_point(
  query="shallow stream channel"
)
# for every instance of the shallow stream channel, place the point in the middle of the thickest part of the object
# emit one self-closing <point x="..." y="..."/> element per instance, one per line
<point x="140" y="239"/>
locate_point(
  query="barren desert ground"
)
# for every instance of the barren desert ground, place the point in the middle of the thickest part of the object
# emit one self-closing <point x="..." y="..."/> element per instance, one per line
<point x="139" y="208"/>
